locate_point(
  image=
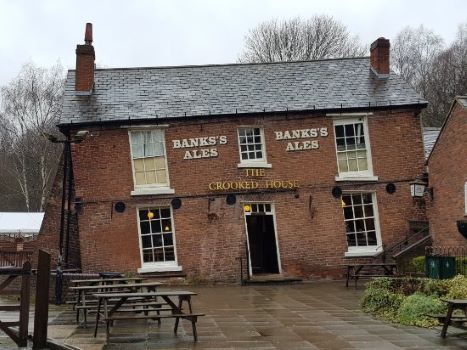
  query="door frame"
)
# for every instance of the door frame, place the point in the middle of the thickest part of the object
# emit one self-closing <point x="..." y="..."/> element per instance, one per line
<point x="273" y="214"/>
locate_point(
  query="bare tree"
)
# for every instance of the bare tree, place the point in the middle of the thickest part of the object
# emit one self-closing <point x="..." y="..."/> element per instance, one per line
<point x="30" y="106"/>
<point x="447" y="78"/>
<point x="296" y="40"/>
<point x="438" y="74"/>
<point x="413" y="54"/>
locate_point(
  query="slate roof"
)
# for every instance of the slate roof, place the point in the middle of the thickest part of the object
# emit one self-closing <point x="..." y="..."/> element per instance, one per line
<point x="430" y="134"/>
<point x="171" y="92"/>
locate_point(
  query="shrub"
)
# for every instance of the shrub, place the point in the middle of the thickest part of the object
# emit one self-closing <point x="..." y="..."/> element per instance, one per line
<point x="434" y="287"/>
<point x="380" y="300"/>
<point x="457" y="287"/>
<point x="417" y="264"/>
<point x="414" y="309"/>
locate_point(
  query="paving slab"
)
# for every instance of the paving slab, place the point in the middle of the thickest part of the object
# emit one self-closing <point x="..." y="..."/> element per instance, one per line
<point x="309" y="316"/>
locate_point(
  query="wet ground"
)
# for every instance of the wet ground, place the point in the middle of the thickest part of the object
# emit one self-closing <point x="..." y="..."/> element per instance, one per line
<point x="320" y="315"/>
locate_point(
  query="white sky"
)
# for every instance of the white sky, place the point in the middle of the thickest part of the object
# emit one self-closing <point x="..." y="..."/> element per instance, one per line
<point x="175" y="32"/>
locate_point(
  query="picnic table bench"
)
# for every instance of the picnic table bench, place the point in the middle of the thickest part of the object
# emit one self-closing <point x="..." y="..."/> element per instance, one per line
<point x="107" y="281"/>
<point x="85" y="306"/>
<point x="453" y="320"/>
<point x="112" y="313"/>
<point x="367" y="270"/>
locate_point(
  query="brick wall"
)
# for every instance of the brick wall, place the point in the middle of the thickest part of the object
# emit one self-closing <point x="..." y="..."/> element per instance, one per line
<point x="211" y="234"/>
<point x="447" y="175"/>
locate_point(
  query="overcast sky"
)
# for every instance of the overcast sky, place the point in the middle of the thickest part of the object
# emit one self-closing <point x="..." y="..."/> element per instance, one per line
<point x="175" y="32"/>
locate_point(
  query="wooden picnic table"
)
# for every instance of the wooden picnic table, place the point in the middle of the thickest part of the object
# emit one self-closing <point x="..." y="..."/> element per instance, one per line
<point x="175" y="308"/>
<point x="357" y="270"/>
<point x="449" y="319"/>
<point x="82" y="291"/>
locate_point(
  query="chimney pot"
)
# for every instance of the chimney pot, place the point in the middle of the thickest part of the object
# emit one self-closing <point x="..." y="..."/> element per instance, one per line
<point x="379" y="57"/>
<point x="88" y="34"/>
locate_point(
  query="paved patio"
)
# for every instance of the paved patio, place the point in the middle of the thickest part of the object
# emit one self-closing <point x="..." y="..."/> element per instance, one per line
<point x="319" y="315"/>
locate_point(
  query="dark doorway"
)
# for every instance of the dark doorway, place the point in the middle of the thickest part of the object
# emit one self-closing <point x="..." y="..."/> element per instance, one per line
<point x="262" y="243"/>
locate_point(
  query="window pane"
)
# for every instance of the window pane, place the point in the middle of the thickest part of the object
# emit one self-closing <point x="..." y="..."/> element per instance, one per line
<point x="157" y="240"/>
<point x="166" y="225"/>
<point x="156" y="226"/>
<point x="372" y="238"/>
<point x="351" y="241"/>
<point x="139" y="164"/>
<point x="349" y="130"/>
<point x="159" y="254"/>
<point x="368" y="210"/>
<point x="339" y="130"/>
<point x="147" y="256"/>
<point x="359" y="225"/>
<point x="362" y="164"/>
<point x="149" y="164"/>
<point x="358" y="211"/>
<point x="367" y="198"/>
<point x="159" y="163"/>
<point x="150" y="177"/>
<point x="161" y="177"/>
<point x="144" y="227"/>
<point x="340" y="144"/>
<point x="353" y="165"/>
<point x="146" y="240"/>
<point x="361" y="239"/>
<point x="348" y="213"/>
<point x="168" y="239"/>
<point x="357" y="199"/>
<point x="343" y="166"/>
<point x="370" y="224"/>
<point x="169" y="254"/>
<point x="165" y="213"/>
<point x="140" y="179"/>
<point x="137" y="151"/>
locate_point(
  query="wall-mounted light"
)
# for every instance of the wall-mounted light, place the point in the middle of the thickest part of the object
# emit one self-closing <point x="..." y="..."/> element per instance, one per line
<point x="417" y="188"/>
<point x="247" y="208"/>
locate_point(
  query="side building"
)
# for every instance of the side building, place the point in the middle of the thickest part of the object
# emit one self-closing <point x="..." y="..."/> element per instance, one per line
<point x="291" y="167"/>
<point x="447" y="169"/>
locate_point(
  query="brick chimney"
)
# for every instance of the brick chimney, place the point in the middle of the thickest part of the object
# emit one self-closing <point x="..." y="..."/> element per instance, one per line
<point x="85" y="56"/>
<point x="379" y="57"/>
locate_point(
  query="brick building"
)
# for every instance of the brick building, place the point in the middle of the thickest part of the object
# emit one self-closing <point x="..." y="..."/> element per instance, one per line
<point x="447" y="168"/>
<point x="295" y="166"/>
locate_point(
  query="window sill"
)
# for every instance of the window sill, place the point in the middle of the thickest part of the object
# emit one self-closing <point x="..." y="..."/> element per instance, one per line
<point x="356" y="254"/>
<point x="164" y="268"/>
<point x="254" y="165"/>
<point x="152" y="190"/>
<point x="356" y="178"/>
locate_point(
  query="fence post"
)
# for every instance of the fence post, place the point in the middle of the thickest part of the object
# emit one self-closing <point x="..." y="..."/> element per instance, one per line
<point x="24" y="305"/>
<point x="41" y="315"/>
<point x="58" y="285"/>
